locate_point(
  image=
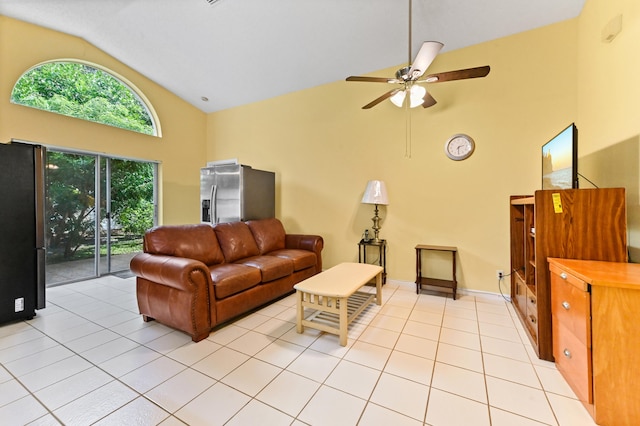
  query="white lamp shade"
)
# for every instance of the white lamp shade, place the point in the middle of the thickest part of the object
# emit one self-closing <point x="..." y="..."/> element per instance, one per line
<point x="416" y="96"/>
<point x="398" y="98"/>
<point x="375" y="193"/>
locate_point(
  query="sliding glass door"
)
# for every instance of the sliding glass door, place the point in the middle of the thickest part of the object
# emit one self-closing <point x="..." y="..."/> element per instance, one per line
<point x="97" y="210"/>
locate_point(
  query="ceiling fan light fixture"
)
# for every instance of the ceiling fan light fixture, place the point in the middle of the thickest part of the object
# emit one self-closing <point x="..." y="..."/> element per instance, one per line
<point x="416" y="96"/>
<point x="398" y="98"/>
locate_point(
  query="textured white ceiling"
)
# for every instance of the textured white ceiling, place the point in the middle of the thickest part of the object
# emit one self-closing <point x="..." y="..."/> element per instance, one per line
<point x="236" y="52"/>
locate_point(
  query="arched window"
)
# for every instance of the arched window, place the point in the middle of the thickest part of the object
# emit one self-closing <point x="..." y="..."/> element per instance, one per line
<point x="86" y="91"/>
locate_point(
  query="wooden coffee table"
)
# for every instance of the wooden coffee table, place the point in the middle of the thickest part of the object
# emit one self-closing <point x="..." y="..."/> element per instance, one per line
<point x="334" y="296"/>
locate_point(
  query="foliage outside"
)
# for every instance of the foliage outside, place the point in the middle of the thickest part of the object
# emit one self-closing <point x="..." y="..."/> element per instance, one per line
<point x="85" y="92"/>
<point x="71" y="204"/>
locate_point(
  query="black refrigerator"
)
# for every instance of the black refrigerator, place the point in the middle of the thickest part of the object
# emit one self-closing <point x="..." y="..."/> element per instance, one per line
<point x="22" y="248"/>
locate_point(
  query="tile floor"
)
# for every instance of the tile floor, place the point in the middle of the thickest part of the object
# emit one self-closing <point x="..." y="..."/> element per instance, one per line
<point x="88" y="358"/>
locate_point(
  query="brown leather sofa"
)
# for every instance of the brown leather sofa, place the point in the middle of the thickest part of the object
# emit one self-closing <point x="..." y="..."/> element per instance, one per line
<point x="194" y="277"/>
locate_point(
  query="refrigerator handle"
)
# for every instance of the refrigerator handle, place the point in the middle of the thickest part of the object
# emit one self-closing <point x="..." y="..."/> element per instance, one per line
<point x="214" y="204"/>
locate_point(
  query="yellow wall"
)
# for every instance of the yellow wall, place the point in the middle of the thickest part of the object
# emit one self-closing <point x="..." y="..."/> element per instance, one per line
<point x="180" y="150"/>
<point x="324" y="149"/>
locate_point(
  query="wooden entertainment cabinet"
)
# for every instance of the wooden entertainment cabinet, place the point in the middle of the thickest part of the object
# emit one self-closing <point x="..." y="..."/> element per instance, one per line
<point x="585" y="224"/>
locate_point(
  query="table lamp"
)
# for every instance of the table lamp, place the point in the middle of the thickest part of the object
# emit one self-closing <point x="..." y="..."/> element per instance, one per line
<point x="375" y="193"/>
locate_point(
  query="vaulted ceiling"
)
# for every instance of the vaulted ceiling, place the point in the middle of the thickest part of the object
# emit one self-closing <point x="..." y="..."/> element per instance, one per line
<point x="235" y="52"/>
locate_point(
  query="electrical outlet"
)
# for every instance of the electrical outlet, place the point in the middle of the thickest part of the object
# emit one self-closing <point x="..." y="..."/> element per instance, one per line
<point x="19" y="304"/>
<point x="499" y="274"/>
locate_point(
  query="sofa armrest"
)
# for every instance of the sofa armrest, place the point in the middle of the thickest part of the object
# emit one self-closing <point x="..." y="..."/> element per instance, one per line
<point x="174" y="291"/>
<point x="313" y="243"/>
<point x="177" y="272"/>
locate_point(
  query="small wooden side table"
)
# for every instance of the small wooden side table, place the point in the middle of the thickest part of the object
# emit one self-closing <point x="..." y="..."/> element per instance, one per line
<point x="437" y="282"/>
<point x="382" y="254"/>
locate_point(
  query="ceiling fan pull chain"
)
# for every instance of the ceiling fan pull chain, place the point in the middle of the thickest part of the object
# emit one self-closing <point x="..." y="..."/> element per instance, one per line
<point x="407" y="143"/>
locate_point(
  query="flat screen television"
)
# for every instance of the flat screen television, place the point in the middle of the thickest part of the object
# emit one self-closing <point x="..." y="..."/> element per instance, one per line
<point x="560" y="160"/>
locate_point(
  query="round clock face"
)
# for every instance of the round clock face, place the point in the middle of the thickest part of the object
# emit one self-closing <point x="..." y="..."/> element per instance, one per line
<point x="459" y="147"/>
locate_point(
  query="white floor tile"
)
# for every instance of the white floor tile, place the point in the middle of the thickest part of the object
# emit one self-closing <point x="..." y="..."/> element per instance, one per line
<point x="180" y="389"/>
<point x="191" y="352"/>
<point x="401" y="395"/>
<point x="65" y="391"/>
<point x="122" y="364"/>
<point x="10" y="391"/>
<point x="140" y="411"/>
<point x="504" y="418"/>
<point x="255" y="412"/>
<point x="460" y="381"/>
<point x="354" y="379"/>
<point x="413" y="345"/>
<point x="54" y="373"/>
<point x="220" y="363"/>
<point x="569" y="411"/>
<point x="531" y="403"/>
<point x="379" y="336"/>
<point x="251" y="343"/>
<point x="511" y="370"/>
<point x="460" y="357"/>
<point x="280" y="353"/>
<point x="369" y="355"/>
<point x="410" y="367"/>
<point x="278" y="393"/>
<point x="314" y="365"/>
<point x="552" y="381"/>
<point x="447" y="409"/>
<point x="251" y="377"/>
<point x="375" y="415"/>
<point x="95" y="405"/>
<point x="22" y="411"/>
<point x="215" y="406"/>
<point x="152" y="374"/>
<point x="169" y="342"/>
<point x="504" y="348"/>
<point x="460" y="338"/>
<point x="332" y="407"/>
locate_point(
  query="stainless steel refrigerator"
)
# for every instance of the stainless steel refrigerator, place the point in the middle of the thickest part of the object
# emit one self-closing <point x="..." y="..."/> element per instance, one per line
<point x="232" y="192"/>
<point x="22" y="251"/>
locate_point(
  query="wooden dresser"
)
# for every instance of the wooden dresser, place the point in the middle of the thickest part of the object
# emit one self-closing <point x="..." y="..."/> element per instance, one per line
<point x="596" y="340"/>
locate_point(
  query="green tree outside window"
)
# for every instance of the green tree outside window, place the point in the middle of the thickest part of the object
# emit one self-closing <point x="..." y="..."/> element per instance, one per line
<point x="82" y="91"/>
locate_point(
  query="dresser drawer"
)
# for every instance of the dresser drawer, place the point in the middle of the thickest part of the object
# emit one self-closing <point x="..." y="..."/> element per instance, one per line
<point x="532" y="309"/>
<point x="573" y="359"/>
<point x="570" y="305"/>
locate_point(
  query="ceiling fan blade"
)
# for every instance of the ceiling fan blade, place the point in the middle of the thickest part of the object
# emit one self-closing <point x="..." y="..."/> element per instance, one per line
<point x="457" y="75"/>
<point x="428" y="101"/>
<point x="373" y="79"/>
<point x="425" y="56"/>
<point x="381" y="98"/>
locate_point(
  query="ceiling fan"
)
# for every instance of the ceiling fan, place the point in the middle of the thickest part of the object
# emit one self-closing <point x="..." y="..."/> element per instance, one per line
<point x="411" y="77"/>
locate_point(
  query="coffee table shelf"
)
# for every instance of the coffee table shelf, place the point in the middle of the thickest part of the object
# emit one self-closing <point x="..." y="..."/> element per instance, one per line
<point x="334" y="297"/>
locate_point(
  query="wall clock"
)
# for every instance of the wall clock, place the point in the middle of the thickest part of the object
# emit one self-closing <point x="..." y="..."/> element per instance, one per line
<point x="459" y="147"/>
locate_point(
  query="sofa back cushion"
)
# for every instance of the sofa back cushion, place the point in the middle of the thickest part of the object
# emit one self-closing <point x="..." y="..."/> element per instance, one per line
<point x="236" y="241"/>
<point x="268" y="233"/>
<point x="191" y="241"/>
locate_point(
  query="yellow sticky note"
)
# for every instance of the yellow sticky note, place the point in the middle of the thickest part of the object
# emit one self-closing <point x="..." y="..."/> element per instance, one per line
<point x="557" y="202"/>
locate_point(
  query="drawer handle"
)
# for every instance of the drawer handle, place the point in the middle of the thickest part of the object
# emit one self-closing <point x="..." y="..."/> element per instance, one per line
<point x="532" y="301"/>
<point x="567" y="353"/>
<point x="563" y="275"/>
<point x="566" y="305"/>
<point x="532" y="319"/>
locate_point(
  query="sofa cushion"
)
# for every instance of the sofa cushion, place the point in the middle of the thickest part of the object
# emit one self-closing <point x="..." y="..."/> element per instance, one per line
<point x="236" y="241"/>
<point x="191" y="241"/>
<point x="302" y="259"/>
<point x="232" y="278"/>
<point x="268" y="233"/>
<point x="271" y="267"/>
